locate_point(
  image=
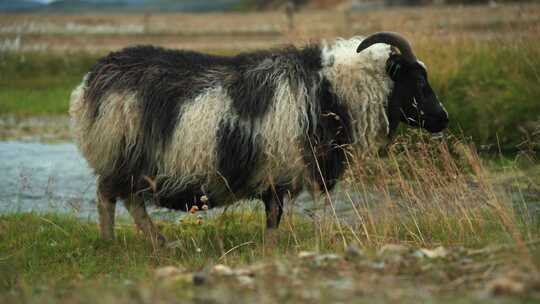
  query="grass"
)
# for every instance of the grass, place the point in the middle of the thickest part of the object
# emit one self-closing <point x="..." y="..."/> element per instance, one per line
<point x="39" y="84"/>
<point x="422" y="195"/>
<point x="491" y="92"/>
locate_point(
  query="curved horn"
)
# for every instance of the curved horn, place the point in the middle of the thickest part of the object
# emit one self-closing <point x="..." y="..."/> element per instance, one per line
<point x="391" y="38"/>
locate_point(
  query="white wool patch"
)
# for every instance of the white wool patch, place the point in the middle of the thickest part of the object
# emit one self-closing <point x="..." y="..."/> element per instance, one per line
<point x="191" y="155"/>
<point x="361" y="82"/>
<point x="77" y="111"/>
<point x="283" y="129"/>
<point x="100" y="142"/>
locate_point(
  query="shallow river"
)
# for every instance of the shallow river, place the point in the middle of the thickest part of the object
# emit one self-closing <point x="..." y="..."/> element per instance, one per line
<point x="45" y="177"/>
<point x="55" y="178"/>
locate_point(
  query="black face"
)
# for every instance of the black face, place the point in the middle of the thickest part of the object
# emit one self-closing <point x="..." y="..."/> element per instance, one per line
<point x="413" y="100"/>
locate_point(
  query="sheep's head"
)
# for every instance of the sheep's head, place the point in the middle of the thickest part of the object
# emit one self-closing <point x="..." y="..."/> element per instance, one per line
<point x="413" y="100"/>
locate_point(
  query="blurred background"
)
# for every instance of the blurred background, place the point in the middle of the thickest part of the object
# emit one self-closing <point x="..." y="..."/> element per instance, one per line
<point x="483" y="54"/>
<point x="483" y="58"/>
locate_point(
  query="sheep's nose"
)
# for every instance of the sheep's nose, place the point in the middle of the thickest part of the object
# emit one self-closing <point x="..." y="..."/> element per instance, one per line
<point x="444" y="119"/>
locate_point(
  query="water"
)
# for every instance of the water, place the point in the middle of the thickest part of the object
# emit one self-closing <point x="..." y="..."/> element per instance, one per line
<point x="38" y="177"/>
<point x="45" y="177"/>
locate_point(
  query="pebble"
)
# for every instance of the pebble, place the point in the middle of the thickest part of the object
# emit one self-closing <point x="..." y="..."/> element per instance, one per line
<point x="222" y="270"/>
<point x="200" y="278"/>
<point x="167" y="272"/>
<point x="353" y="252"/>
<point x="439" y="252"/>
<point x="306" y="254"/>
<point x="245" y="281"/>
<point x="393" y="249"/>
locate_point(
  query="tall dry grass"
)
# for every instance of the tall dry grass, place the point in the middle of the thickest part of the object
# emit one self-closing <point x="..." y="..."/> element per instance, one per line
<point x="426" y="193"/>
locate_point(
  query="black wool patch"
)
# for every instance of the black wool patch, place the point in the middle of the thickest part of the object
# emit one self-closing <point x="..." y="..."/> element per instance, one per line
<point x="238" y="151"/>
<point x="162" y="80"/>
<point x="255" y="76"/>
<point x="183" y="200"/>
<point x="328" y="138"/>
<point x="252" y="89"/>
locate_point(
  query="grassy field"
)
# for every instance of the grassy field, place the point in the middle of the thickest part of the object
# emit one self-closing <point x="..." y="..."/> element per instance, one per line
<point x="446" y="226"/>
<point x="431" y="222"/>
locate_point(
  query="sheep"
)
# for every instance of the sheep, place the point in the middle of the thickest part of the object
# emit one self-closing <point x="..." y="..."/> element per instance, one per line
<point x="176" y="126"/>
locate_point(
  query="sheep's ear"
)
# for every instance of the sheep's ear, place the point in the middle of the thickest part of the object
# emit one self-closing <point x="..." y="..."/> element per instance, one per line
<point x="329" y="62"/>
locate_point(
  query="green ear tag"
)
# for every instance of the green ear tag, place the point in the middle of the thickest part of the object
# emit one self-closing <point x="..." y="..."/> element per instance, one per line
<point x="392" y="69"/>
<point x="395" y="72"/>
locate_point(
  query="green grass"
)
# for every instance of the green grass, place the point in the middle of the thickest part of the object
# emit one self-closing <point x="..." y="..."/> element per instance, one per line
<point x="492" y="94"/>
<point x="38" y="83"/>
<point x="44" y="248"/>
<point x="55" y="257"/>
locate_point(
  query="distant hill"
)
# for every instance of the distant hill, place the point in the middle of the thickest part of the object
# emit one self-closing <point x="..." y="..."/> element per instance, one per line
<point x="19" y="5"/>
<point x="84" y="6"/>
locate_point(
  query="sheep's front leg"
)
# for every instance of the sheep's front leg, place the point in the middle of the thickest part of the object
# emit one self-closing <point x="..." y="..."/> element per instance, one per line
<point x="135" y="206"/>
<point x="273" y="206"/>
<point x="106" y="206"/>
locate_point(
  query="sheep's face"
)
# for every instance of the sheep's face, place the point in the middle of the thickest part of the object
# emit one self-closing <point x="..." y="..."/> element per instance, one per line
<point x="413" y="100"/>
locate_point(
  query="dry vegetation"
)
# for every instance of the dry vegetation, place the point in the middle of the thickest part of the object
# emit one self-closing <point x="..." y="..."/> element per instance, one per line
<point x="235" y="31"/>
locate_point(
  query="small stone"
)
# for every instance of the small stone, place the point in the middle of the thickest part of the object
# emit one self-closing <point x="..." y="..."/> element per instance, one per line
<point x="439" y="252"/>
<point x="222" y="270"/>
<point x="205" y="207"/>
<point x="328" y="257"/>
<point x="393" y="249"/>
<point x="324" y="259"/>
<point x="250" y="272"/>
<point x="378" y="265"/>
<point x="200" y="278"/>
<point x="353" y="252"/>
<point x="505" y="286"/>
<point x="167" y="272"/>
<point x="245" y="281"/>
<point x="306" y="254"/>
<point x="204" y="199"/>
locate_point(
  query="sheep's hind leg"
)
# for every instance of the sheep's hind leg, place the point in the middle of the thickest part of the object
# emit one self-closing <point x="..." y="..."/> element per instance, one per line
<point x="273" y="206"/>
<point x="106" y="205"/>
<point x="135" y="206"/>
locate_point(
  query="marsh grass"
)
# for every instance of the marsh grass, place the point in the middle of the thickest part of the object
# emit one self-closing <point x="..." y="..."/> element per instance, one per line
<point x="39" y="83"/>
<point x="490" y="90"/>
<point x="432" y="192"/>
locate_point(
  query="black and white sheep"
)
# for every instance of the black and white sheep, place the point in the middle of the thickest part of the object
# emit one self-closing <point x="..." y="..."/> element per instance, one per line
<point x="174" y="126"/>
